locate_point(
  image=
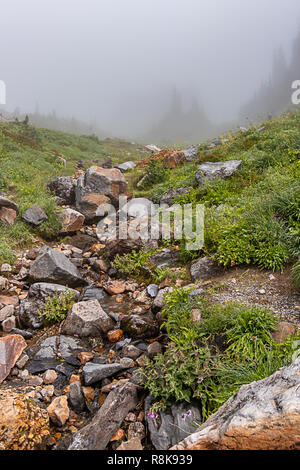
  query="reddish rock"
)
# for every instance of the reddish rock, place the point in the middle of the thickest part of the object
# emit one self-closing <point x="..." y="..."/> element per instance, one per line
<point x="85" y="357"/>
<point x="132" y="444"/>
<point x="11" y="348"/>
<point x="8" y="300"/>
<point x="115" y="287"/>
<point x="59" y="410"/>
<point x="114" y="336"/>
<point x="71" y="220"/>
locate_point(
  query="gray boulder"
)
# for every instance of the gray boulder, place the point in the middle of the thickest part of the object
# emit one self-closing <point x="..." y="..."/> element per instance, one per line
<point x="64" y="188"/>
<point x="165" y="258"/>
<point x="93" y="373"/>
<point x="220" y="170"/>
<point x="139" y="207"/>
<point x="205" y="268"/>
<point x="35" y="215"/>
<point x="87" y="319"/>
<point x="53" y="266"/>
<point x="175" y="424"/>
<point x="76" y="397"/>
<point x="173" y="193"/>
<point x="191" y="152"/>
<point x="38" y="294"/>
<point x="158" y="302"/>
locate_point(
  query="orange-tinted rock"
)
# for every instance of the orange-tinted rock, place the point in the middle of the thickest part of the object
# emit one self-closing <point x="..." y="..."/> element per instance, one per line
<point x="118" y="435"/>
<point x="85" y="357"/>
<point x="115" y="287"/>
<point x="71" y="220"/>
<point x="132" y="444"/>
<point x="59" y="410"/>
<point x="74" y="378"/>
<point x="114" y="336"/>
<point x="11" y="348"/>
<point x="23" y="424"/>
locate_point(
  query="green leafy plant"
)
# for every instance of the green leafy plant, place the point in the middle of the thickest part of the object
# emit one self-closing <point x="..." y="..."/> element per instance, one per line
<point x="57" y="307"/>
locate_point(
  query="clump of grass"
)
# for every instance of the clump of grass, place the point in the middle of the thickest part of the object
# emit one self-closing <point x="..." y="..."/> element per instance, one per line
<point x="57" y="307"/>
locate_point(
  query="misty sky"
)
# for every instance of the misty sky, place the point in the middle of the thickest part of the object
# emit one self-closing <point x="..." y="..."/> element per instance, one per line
<point x="117" y="61"/>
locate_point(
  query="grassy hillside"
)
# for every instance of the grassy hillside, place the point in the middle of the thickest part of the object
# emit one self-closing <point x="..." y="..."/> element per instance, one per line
<point x="258" y="216"/>
<point x="28" y="162"/>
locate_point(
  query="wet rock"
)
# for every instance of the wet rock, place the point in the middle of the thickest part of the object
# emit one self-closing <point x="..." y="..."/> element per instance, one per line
<point x="59" y="411"/>
<point x="203" y="269"/>
<point x="140" y="326"/>
<point x="175" y="423"/>
<point x="284" y="329"/>
<point x="11" y="348"/>
<point x="25" y="334"/>
<point x="55" y="349"/>
<point x="35" y="215"/>
<point x="152" y="290"/>
<point x="93" y="373"/>
<point x="71" y="220"/>
<point x="76" y="397"/>
<point x="64" y="188"/>
<point x="97" y="434"/>
<point x="87" y="319"/>
<point x="211" y="171"/>
<point x="92" y="293"/>
<point x="263" y="415"/>
<point x="34" y="303"/>
<point x="54" y="267"/>
<point x="24" y="425"/>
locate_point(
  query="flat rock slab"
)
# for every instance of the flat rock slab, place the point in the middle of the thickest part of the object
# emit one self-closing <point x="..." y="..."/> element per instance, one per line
<point x="211" y="171"/>
<point x="11" y="348"/>
<point x="97" y="434"/>
<point x="93" y="373"/>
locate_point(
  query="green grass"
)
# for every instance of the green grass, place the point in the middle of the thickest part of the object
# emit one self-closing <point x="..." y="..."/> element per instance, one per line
<point x="259" y="219"/>
<point x="28" y="162"/>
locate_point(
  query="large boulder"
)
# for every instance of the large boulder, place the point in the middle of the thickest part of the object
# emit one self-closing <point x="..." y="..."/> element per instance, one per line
<point x="24" y="425"/>
<point x="263" y="415"/>
<point x="211" y="171"/>
<point x="64" y="188"/>
<point x="71" y="220"/>
<point x="97" y="434"/>
<point x="139" y="207"/>
<point x="11" y="348"/>
<point x="34" y="303"/>
<point x="203" y="269"/>
<point x="53" y="266"/>
<point x="99" y="181"/>
<point x="87" y="319"/>
<point x="93" y="373"/>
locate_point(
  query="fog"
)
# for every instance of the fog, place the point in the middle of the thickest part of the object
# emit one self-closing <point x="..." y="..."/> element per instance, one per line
<point x="120" y="65"/>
